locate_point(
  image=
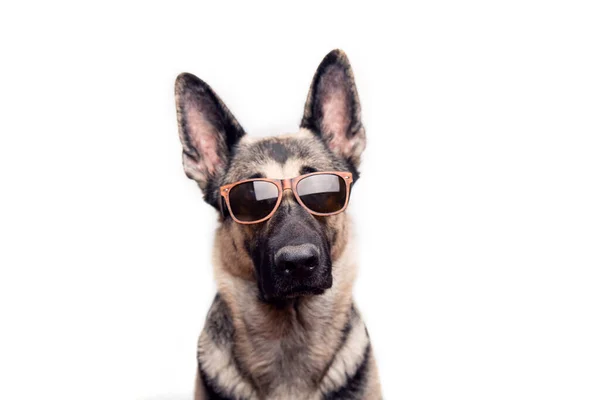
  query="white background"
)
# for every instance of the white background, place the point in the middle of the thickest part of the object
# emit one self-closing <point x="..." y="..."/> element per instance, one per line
<point x="477" y="213"/>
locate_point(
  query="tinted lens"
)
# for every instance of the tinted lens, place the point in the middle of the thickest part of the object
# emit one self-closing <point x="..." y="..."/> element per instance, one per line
<point x="323" y="193"/>
<point x="252" y="201"/>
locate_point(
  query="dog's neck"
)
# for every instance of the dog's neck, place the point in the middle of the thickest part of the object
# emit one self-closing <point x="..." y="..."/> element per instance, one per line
<point x="292" y="344"/>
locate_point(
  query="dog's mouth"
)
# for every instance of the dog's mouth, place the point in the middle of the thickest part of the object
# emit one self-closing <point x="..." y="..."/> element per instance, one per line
<point x="302" y="290"/>
<point x="291" y="295"/>
<point x="283" y="289"/>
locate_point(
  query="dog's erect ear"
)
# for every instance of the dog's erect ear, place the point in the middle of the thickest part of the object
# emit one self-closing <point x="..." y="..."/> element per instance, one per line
<point x="332" y="109"/>
<point x="208" y="133"/>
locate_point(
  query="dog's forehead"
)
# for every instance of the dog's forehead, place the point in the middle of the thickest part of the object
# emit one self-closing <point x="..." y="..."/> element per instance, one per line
<point x="280" y="157"/>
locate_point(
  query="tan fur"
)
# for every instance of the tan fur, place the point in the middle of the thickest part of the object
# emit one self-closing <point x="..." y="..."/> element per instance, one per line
<point x="289" y="170"/>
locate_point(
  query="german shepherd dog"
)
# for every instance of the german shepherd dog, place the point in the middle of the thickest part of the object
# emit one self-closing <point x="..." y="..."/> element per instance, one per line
<point x="283" y="324"/>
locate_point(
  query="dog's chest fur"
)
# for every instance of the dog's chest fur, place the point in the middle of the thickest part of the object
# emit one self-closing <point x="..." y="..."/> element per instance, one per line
<point x="287" y="355"/>
<point x="299" y="351"/>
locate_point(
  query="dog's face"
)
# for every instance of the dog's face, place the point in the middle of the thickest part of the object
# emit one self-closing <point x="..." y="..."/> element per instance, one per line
<point x="290" y="254"/>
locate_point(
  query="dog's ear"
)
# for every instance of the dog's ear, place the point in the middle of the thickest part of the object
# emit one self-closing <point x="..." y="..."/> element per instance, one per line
<point x="332" y="109"/>
<point x="208" y="133"/>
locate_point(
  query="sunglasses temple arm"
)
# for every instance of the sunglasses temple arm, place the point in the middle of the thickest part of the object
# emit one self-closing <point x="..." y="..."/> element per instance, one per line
<point x="223" y="207"/>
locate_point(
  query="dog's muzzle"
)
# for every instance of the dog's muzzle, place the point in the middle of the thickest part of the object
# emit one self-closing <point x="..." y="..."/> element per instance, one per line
<point x="297" y="260"/>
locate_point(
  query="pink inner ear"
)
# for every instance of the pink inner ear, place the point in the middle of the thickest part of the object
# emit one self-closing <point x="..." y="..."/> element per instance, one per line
<point x="204" y="138"/>
<point x="336" y="120"/>
<point x="335" y="108"/>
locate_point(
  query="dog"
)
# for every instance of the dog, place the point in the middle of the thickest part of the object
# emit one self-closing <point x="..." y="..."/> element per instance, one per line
<point x="283" y="324"/>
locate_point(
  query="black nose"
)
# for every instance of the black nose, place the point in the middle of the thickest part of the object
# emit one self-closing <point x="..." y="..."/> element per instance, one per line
<point x="299" y="261"/>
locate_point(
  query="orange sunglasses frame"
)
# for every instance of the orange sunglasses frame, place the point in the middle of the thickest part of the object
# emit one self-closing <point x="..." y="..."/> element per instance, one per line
<point x="285" y="184"/>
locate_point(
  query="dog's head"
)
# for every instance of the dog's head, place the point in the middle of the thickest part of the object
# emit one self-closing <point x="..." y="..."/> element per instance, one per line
<point x="290" y="254"/>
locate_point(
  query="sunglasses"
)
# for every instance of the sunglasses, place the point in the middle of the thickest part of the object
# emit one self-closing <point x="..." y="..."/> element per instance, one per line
<point x="255" y="200"/>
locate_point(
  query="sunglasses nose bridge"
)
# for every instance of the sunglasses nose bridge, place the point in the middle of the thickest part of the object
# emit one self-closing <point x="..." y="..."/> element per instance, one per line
<point x="286" y="184"/>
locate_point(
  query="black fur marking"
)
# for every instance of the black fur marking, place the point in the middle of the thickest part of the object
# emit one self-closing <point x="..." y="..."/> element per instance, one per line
<point x="355" y="173"/>
<point x="334" y="235"/>
<point x="248" y="246"/>
<point x="348" y="327"/>
<point x="345" y="332"/>
<point x="257" y="175"/>
<point x="276" y="151"/>
<point x="219" y="325"/>
<point x="307" y="170"/>
<point x="355" y="384"/>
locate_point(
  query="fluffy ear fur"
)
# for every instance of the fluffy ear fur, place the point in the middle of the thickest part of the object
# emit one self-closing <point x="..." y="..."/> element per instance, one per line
<point x="332" y="109"/>
<point x="208" y="133"/>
